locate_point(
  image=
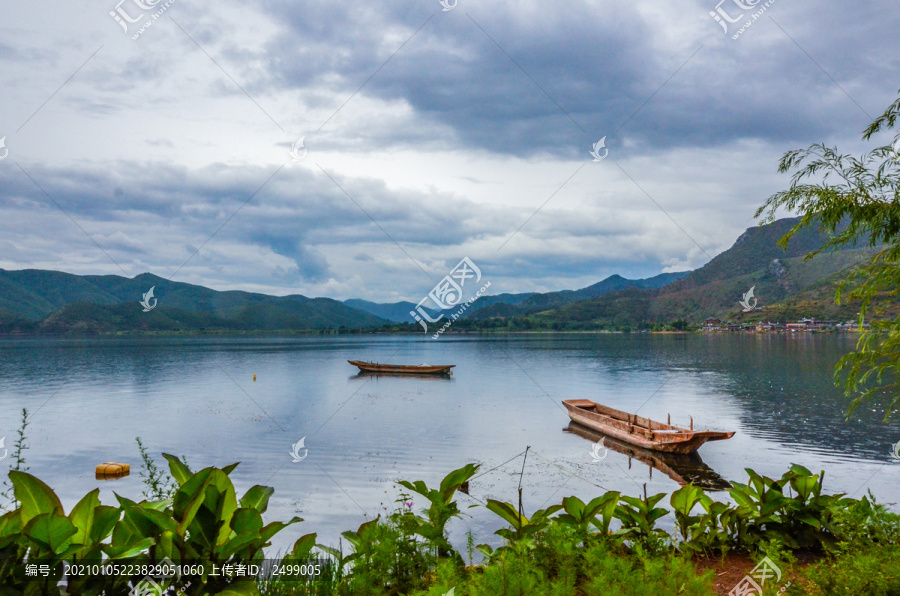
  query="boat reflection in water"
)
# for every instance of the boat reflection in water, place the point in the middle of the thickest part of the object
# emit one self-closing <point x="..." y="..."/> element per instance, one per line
<point x="378" y="375"/>
<point x="681" y="468"/>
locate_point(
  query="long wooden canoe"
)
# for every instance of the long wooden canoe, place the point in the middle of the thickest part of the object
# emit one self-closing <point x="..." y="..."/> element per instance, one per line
<point x="412" y="369"/>
<point x="680" y="467"/>
<point x="639" y="431"/>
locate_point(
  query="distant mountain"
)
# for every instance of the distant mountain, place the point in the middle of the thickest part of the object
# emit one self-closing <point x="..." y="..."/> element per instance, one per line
<point x="541" y="302"/>
<point x="34" y="300"/>
<point x="508" y="305"/>
<point x="785" y="284"/>
<point x="398" y="312"/>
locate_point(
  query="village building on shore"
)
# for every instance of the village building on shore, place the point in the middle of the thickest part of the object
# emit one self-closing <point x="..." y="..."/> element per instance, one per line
<point x="714" y="325"/>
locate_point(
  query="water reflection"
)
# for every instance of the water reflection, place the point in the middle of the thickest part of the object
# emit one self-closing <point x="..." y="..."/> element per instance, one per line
<point x="682" y="468"/>
<point x="392" y="375"/>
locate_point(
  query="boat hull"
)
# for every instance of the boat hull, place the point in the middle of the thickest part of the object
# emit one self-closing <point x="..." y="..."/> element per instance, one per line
<point x="638" y="431"/>
<point x="401" y="369"/>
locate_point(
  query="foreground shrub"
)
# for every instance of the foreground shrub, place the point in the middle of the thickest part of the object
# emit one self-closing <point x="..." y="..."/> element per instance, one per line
<point x="204" y="523"/>
<point x="571" y="549"/>
<point x="606" y="573"/>
<point x="873" y="572"/>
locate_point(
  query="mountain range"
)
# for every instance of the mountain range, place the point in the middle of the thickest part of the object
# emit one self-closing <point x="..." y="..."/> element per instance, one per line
<point x="786" y="285"/>
<point x="516" y="304"/>
<point x="40" y="301"/>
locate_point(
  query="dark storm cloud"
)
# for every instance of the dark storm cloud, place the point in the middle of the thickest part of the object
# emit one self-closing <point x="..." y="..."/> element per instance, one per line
<point x="311" y="264"/>
<point x="296" y="210"/>
<point x="600" y="63"/>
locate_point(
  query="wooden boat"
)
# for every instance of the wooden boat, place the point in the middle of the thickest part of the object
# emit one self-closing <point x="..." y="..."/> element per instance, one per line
<point x="680" y="467"/>
<point x="639" y="431"/>
<point x="411" y="369"/>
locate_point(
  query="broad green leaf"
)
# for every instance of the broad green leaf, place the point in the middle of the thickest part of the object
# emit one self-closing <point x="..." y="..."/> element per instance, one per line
<point x="247" y="521"/>
<point x="126" y="551"/>
<point x="302" y="547"/>
<point x="603" y="506"/>
<point x="273" y="528"/>
<point x="189" y="498"/>
<point x="51" y="532"/>
<point x="454" y="479"/>
<point x="574" y="507"/>
<point x="34" y="496"/>
<point x="417" y="487"/>
<point x="798" y="469"/>
<point x="179" y="470"/>
<point x="684" y="499"/>
<point x="338" y="556"/>
<point x="257" y="498"/>
<point x="82" y="517"/>
<point x="10" y="527"/>
<point x="507" y="512"/>
<point x="150" y="521"/>
<point x="238" y="542"/>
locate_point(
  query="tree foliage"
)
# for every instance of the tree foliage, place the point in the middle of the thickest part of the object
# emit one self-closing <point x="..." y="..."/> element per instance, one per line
<point x="855" y="201"/>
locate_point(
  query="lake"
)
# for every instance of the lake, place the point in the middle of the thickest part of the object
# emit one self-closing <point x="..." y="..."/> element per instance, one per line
<point x="196" y="397"/>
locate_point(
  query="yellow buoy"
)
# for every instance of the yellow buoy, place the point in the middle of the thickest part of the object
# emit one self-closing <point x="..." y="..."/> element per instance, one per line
<point x="111" y="470"/>
<point x="254" y="377"/>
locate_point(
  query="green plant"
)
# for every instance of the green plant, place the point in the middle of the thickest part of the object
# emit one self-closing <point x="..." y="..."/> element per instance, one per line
<point x="855" y="200"/>
<point x="606" y="573"/>
<point x="598" y="513"/>
<point x="865" y="524"/>
<point x="683" y="502"/>
<point x="204" y="524"/>
<point x="519" y="572"/>
<point x="522" y="529"/>
<point x="442" y="508"/>
<point x="872" y="572"/>
<point x="159" y="485"/>
<point x="764" y="511"/>
<point x="638" y="517"/>
<point x="18" y="465"/>
<point x="387" y="558"/>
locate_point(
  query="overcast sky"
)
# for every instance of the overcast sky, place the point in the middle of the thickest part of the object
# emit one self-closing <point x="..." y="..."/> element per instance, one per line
<point x="429" y="135"/>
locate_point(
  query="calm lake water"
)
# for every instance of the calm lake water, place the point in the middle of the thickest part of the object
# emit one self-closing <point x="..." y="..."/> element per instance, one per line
<point x="196" y="397"/>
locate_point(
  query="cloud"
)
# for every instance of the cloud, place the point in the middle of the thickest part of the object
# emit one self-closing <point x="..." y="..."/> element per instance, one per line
<point x="432" y="136"/>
